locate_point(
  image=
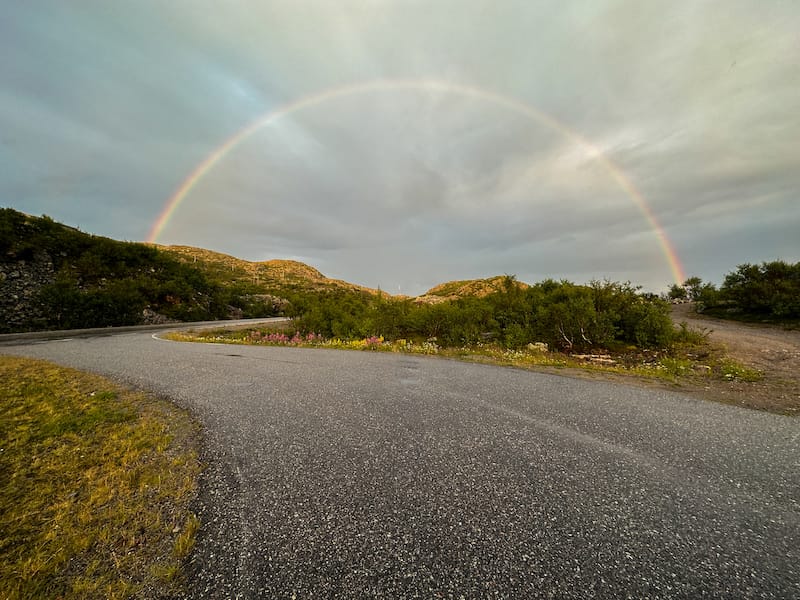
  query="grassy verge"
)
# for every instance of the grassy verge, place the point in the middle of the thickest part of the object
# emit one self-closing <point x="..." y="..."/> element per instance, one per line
<point x="692" y="357"/>
<point x="95" y="486"/>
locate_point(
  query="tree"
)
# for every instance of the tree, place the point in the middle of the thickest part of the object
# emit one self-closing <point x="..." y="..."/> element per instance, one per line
<point x="677" y="292"/>
<point x="692" y="287"/>
<point x="770" y="290"/>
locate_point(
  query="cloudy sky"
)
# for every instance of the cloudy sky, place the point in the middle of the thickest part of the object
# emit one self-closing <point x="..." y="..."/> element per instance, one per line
<point x="400" y="144"/>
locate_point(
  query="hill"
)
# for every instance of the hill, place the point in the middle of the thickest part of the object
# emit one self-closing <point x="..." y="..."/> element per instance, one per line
<point x="53" y="276"/>
<point x="277" y="277"/>
<point x="479" y="288"/>
<point x="56" y="277"/>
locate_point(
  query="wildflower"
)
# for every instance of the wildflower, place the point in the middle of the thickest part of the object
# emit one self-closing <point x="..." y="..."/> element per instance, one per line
<point x="372" y="342"/>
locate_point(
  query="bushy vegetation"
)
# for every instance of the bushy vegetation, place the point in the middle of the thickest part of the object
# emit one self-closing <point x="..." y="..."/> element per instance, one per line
<point x="563" y="315"/>
<point x="101" y="282"/>
<point x="770" y="291"/>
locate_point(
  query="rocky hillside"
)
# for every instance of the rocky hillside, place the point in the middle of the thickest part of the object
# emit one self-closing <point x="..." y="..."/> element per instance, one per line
<point x="21" y="280"/>
<point x="56" y="277"/>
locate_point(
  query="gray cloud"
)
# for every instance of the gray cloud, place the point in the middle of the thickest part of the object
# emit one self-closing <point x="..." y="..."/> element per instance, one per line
<point x="106" y="108"/>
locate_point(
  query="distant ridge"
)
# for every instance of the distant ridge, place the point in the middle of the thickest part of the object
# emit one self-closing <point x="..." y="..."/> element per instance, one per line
<point x="271" y="274"/>
<point x="279" y="274"/>
<point x="479" y="288"/>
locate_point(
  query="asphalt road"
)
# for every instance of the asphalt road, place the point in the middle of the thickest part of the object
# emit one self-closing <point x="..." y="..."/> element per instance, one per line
<point x="355" y="475"/>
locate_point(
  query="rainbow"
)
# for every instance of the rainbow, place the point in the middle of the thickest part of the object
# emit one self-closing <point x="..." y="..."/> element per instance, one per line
<point x="383" y="85"/>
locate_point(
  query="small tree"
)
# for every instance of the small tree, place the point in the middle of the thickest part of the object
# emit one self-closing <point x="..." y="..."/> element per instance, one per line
<point x="677" y="292"/>
<point x="692" y="287"/>
<point x="770" y="289"/>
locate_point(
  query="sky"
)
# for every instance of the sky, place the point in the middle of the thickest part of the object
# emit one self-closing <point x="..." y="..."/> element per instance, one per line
<point x="400" y="144"/>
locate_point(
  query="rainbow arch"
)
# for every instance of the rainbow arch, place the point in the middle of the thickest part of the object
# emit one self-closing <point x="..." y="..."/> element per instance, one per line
<point x="382" y="85"/>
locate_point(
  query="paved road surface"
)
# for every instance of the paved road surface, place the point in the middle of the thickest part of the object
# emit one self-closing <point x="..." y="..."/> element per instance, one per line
<point x="347" y="474"/>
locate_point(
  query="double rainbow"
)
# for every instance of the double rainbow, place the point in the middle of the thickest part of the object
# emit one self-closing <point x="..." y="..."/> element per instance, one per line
<point x="384" y="85"/>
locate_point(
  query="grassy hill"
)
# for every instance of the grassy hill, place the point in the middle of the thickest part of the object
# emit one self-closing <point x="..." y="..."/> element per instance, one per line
<point x="57" y="277"/>
<point x="479" y="288"/>
<point x="278" y="277"/>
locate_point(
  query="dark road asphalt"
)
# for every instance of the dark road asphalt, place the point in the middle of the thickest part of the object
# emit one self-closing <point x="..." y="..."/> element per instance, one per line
<point x="355" y="475"/>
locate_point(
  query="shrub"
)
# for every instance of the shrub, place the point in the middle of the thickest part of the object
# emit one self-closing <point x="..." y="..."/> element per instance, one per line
<point x="770" y="290"/>
<point x="562" y="314"/>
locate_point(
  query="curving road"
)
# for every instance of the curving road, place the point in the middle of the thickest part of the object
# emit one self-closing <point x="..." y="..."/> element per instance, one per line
<point x="352" y="474"/>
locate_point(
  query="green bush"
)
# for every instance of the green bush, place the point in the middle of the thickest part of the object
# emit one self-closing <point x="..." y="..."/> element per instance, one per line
<point x="771" y="290"/>
<point x="562" y="314"/>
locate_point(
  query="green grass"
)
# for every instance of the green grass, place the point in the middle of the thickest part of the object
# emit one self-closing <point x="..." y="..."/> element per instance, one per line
<point x="731" y="370"/>
<point x="675" y="366"/>
<point x="95" y="486"/>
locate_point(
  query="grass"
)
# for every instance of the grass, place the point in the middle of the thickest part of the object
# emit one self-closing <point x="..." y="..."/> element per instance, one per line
<point x="691" y="357"/>
<point x="731" y="370"/>
<point x="95" y="486"/>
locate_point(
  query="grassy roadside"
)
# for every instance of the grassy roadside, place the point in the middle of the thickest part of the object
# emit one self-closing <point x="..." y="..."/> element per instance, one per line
<point x="693" y="366"/>
<point x="95" y="486"/>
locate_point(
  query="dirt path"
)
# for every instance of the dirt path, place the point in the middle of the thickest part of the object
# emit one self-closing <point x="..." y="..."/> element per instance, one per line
<point x="769" y="348"/>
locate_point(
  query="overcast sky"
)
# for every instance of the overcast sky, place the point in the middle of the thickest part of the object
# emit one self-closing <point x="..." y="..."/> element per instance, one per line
<point x="107" y="107"/>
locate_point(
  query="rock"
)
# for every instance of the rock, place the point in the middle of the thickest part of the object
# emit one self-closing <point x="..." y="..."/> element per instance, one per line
<point x="537" y="347"/>
<point x="599" y="359"/>
<point x="278" y="304"/>
<point x="21" y="282"/>
<point x="151" y="317"/>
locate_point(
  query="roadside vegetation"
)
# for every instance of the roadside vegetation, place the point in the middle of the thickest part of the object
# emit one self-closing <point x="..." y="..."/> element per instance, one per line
<point x="691" y="357"/>
<point x="56" y="277"/>
<point x="95" y="487"/>
<point x="564" y="316"/>
<point x="602" y="327"/>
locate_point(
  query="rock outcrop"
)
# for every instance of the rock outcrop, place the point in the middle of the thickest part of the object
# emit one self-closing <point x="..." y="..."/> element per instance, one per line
<point x="21" y="282"/>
